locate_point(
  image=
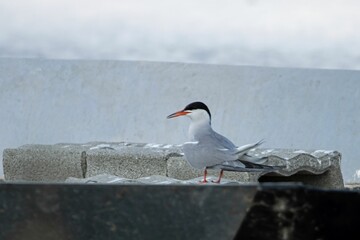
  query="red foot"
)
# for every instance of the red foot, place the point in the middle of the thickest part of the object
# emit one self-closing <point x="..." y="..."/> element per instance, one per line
<point x="204" y="180"/>
<point x="220" y="176"/>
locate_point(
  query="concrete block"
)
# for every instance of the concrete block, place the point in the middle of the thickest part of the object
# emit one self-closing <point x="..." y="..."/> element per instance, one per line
<point x="60" y="161"/>
<point x="44" y="162"/>
<point x="140" y="160"/>
<point x="129" y="160"/>
<point x="320" y="168"/>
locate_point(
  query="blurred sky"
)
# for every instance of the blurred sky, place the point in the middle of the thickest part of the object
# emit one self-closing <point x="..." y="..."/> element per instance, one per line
<point x="310" y="34"/>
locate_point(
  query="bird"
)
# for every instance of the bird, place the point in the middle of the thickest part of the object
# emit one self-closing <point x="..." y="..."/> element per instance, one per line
<point x="208" y="149"/>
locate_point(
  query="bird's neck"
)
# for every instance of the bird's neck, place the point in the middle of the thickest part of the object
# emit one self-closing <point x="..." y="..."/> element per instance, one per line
<point x="199" y="128"/>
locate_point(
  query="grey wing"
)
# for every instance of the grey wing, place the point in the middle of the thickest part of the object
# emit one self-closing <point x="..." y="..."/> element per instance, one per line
<point x="213" y="150"/>
<point x="222" y="142"/>
<point x="206" y="154"/>
<point x="217" y="149"/>
<point x="225" y="145"/>
<point x="238" y="158"/>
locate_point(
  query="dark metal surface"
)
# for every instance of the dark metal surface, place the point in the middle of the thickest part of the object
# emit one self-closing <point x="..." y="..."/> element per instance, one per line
<point x="85" y="212"/>
<point x="297" y="212"/>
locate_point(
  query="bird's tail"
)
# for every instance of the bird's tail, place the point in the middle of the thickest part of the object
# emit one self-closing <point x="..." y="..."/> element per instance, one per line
<point x="260" y="167"/>
<point x="246" y="166"/>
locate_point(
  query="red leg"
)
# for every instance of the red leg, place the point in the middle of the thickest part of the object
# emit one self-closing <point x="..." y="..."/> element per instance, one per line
<point x="220" y="176"/>
<point x="204" y="180"/>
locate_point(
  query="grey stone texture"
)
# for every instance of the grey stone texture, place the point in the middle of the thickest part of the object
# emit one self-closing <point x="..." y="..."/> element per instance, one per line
<point x="315" y="167"/>
<point x="153" y="180"/>
<point x="129" y="161"/>
<point x="142" y="160"/>
<point x="43" y="162"/>
<point x="178" y="168"/>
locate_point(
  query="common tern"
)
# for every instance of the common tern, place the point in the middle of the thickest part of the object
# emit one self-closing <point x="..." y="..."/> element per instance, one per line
<point x="210" y="150"/>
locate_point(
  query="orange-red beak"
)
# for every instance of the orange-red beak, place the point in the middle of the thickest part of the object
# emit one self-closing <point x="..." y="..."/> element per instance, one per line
<point x="178" y="114"/>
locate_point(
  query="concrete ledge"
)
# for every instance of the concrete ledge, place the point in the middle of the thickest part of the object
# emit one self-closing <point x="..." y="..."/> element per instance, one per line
<point x="83" y="212"/>
<point x="113" y="211"/>
<point x="136" y="160"/>
<point x="44" y="162"/>
<point x="152" y="180"/>
<point x="314" y="167"/>
<point x="129" y="160"/>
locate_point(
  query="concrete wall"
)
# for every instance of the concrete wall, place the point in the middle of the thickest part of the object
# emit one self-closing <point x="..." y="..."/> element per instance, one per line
<point x="52" y="101"/>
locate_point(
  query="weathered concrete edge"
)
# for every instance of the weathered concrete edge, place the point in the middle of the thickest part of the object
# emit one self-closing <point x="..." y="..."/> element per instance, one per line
<point x="49" y="165"/>
<point x="326" y="157"/>
<point x="324" y="162"/>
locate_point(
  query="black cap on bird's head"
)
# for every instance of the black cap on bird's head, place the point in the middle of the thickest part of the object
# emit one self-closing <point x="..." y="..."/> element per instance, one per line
<point x="197" y="105"/>
<point x="189" y="108"/>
